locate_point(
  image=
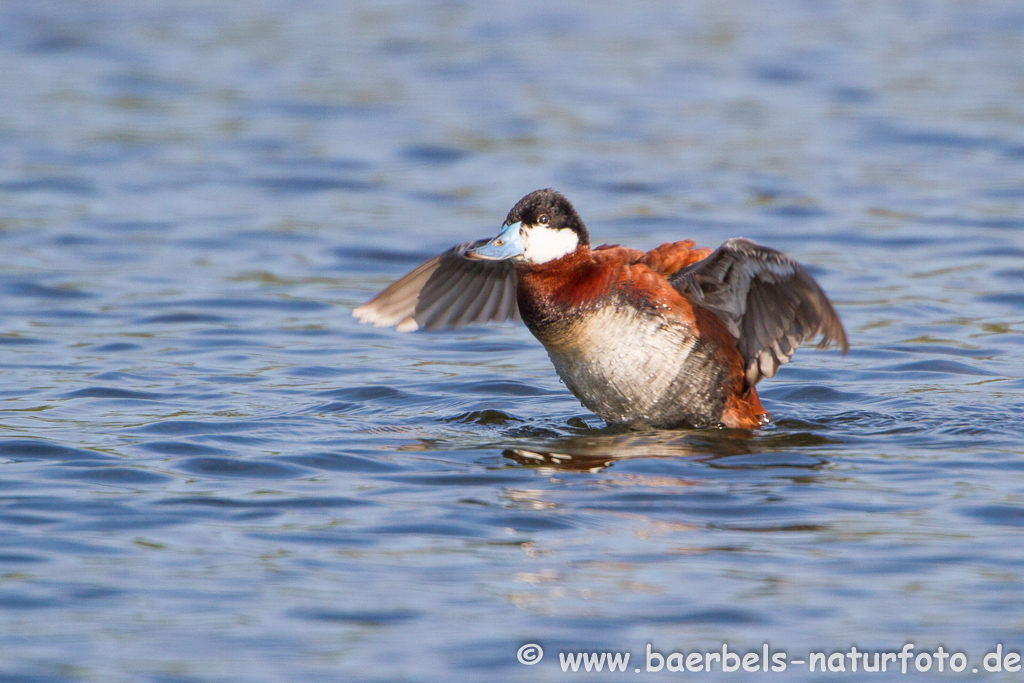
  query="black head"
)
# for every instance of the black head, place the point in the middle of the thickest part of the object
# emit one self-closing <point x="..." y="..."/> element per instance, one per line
<point x="550" y="209"/>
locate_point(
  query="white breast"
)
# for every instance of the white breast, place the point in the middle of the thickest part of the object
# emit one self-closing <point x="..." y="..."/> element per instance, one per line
<point x="621" y="363"/>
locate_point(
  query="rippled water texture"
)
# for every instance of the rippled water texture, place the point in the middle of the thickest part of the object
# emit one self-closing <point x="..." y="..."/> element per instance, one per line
<point x="210" y="472"/>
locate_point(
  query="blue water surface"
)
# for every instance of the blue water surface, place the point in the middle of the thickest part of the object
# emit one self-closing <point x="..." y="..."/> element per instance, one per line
<point x="210" y="472"/>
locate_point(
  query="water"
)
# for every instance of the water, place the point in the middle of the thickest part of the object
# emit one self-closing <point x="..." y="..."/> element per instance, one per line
<point x="210" y="472"/>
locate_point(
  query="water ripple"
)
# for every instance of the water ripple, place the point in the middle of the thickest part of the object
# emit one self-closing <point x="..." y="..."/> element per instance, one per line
<point x="211" y="471"/>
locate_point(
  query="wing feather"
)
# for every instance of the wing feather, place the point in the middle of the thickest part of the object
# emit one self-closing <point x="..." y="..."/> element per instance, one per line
<point x="449" y="290"/>
<point x="443" y="300"/>
<point x="768" y="301"/>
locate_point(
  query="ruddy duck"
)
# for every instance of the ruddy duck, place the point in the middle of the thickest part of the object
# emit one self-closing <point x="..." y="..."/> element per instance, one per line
<point x="675" y="337"/>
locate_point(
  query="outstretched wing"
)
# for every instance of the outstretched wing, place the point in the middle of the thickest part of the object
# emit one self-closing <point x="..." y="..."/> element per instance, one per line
<point x="768" y="301"/>
<point x="447" y="291"/>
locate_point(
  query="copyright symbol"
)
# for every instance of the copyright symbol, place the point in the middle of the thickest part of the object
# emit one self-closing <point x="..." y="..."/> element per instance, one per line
<point x="530" y="654"/>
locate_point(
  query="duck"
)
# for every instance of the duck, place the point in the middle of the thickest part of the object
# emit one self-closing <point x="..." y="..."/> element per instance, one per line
<point x="675" y="337"/>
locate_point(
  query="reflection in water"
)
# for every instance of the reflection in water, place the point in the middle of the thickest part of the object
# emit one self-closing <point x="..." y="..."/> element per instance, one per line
<point x="566" y="461"/>
<point x="583" y="448"/>
<point x="717" y="447"/>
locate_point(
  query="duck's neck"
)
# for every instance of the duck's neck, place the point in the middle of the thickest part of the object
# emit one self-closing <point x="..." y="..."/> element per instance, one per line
<point x="548" y="293"/>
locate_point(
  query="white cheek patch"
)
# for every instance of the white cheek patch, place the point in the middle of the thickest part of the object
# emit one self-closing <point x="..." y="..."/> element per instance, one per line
<point x="545" y="244"/>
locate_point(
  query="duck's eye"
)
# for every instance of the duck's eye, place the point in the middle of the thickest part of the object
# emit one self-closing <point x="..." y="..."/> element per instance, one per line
<point x="543" y="220"/>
